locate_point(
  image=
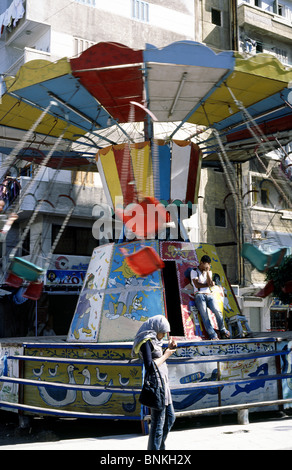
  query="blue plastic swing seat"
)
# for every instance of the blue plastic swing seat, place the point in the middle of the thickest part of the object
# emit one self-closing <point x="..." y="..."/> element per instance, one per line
<point x="25" y="269"/>
<point x="262" y="261"/>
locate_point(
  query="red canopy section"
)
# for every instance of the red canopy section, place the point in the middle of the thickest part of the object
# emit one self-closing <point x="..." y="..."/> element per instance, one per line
<point x="94" y="69"/>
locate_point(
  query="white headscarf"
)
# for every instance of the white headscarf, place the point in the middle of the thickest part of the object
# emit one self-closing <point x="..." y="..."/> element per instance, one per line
<point x="149" y="330"/>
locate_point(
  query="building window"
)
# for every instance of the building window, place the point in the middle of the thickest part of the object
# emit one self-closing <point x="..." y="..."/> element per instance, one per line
<point x="264" y="197"/>
<point x="216" y="17"/>
<point x="278" y="8"/>
<point x="259" y="47"/>
<point x="77" y="241"/>
<point x="258" y="3"/>
<point x="278" y="320"/>
<point x="81" y="45"/>
<point x="220" y="217"/>
<point x="281" y="10"/>
<point x="140" y="10"/>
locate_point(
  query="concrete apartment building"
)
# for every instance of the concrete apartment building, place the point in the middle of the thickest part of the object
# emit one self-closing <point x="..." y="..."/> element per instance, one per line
<point x="261" y="27"/>
<point x="50" y="29"/>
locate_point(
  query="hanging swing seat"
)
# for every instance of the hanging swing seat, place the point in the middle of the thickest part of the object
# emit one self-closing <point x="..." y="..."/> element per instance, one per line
<point x="146" y="218"/>
<point x="143" y="262"/>
<point x="262" y="261"/>
<point x="287" y="287"/>
<point x="267" y="290"/>
<point x="13" y="280"/>
<point x="25" y="269"/>
<point x="33" y="291"/>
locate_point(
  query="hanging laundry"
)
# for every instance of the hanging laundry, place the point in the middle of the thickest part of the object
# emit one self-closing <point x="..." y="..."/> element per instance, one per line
<point x="17" y="11"/>
<point x="11" y="15"/>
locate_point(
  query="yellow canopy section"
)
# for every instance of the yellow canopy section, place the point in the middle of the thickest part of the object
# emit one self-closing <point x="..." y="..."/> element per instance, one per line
<point x="264" y="65"/>
<point x="253" y="80"/>
<point x="37" y="71"/>
<point x="20" y="115"/>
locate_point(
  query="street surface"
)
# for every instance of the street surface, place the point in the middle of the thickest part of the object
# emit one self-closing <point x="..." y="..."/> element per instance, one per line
<point x="270" y="431"/>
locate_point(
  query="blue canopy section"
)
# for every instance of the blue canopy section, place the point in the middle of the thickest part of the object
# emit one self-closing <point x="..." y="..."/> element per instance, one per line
<point x="271" y="108"/>
<point x="73" y="102"/>
<point x="189" y="53"/>
<point x="67" y="159"/>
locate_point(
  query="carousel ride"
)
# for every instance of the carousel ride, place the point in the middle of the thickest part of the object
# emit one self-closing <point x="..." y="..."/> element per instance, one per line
<point x="108" y="110"/>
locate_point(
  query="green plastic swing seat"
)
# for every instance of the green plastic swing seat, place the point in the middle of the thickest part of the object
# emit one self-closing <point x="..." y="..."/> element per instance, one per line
<point x="25" y="269"/>
<point x="262" y="261"/>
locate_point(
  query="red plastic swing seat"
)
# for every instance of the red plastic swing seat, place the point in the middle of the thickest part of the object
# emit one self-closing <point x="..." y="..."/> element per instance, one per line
<point x="33" y="291"/>
<point x="267" y="290"/>
<point x="145" y="218"/>
<point x="287" y="287"/>
<point x="144" y="262"/>
<point x="13" y="280"/>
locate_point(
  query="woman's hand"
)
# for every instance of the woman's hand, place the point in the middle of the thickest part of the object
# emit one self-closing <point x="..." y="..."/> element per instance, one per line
<point x="172" y="344"/>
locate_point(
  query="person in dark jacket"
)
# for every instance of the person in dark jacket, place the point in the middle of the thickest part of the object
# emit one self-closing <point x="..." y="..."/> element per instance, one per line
<point x="148" y="344"/>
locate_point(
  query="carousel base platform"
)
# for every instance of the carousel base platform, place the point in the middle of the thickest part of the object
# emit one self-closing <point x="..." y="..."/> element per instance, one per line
<point x="51" y="376"/>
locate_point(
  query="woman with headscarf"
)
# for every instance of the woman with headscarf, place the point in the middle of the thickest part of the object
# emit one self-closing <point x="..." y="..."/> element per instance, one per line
<point x="148" y="344"/>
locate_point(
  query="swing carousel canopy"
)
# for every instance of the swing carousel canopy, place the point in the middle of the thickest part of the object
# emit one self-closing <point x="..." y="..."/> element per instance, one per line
<point x="185" y="82"/>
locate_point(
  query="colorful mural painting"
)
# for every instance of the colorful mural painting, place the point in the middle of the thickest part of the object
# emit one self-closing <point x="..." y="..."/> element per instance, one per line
<point x="191" y="381"/>
<point x="105" y="381"/>
<point x="110" y="370"/>
<point x="9" y="391"/>
<point x="286" y="367"/>
<point x="114" y="300"/>
<point x="187" y="256"/>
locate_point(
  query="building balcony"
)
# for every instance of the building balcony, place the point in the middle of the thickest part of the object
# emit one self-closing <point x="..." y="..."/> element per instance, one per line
<point x="28" y="55"/>
<point x="58" y="198"/>
<point x="27" y="32"/>
<point x="264" y="22"/>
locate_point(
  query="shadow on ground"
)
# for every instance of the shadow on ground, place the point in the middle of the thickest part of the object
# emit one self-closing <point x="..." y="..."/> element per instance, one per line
<point x="50" y="429"/>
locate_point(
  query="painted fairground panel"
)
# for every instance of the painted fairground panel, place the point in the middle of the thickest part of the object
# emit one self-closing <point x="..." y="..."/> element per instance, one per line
<point x="286" y="368"/>
<point x="184" y="376"/>
<point x="86" y="319"/>
<point x="188" y="255"/>
<point x="8" y="390"/>
<point x="129" y="299"/>
<point x="222" y="290"/>
<point x="114" y="300"/>
<point x="114" y="374"/>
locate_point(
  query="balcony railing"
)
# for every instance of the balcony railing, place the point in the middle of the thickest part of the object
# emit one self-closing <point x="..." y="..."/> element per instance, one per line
<point x="270" y="23"/>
